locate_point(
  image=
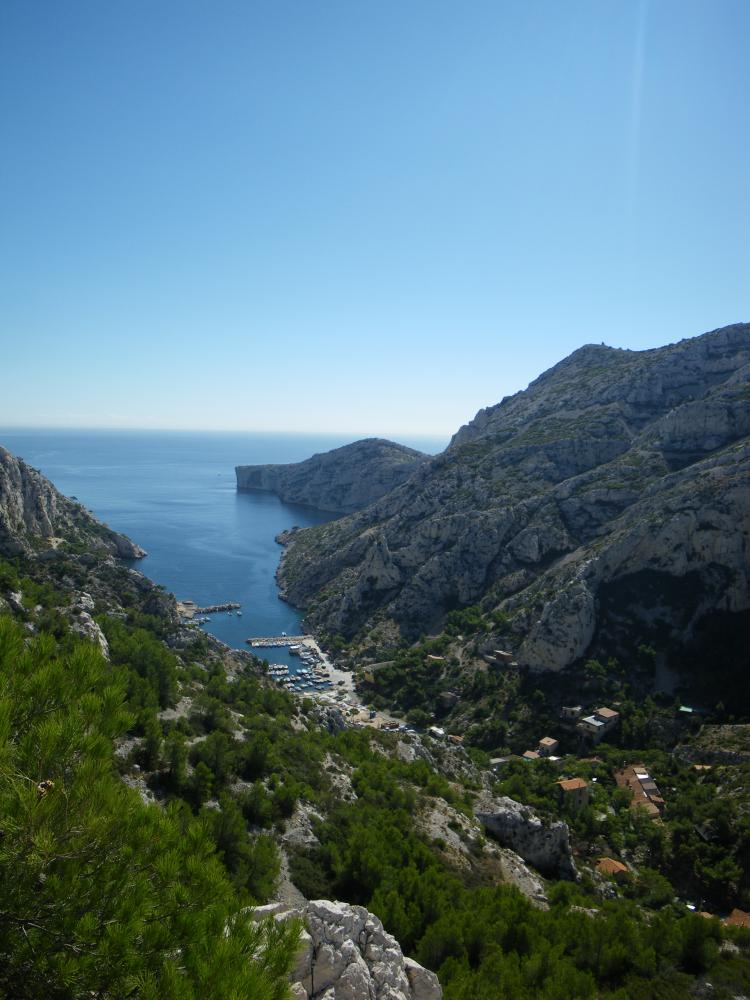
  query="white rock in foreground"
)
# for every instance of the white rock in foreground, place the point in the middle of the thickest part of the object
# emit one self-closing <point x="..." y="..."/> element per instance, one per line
<point x="346" y="954"/>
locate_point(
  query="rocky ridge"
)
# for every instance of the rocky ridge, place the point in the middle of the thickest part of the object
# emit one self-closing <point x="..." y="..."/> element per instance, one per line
<point x="35" y="517"/>
<point x="56" y="539"/>
<point x="343" y="480"/>
<point x="624" y="469"/>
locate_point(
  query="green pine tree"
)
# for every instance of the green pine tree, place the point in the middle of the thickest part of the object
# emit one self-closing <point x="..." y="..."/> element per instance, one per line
<point x="101" y="895"/>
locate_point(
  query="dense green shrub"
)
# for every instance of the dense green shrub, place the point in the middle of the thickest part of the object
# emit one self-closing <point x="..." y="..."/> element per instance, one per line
<point x="101" y="895"/>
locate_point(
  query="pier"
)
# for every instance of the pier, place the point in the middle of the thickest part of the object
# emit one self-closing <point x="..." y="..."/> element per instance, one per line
<point x="229" y="606"/>
<point x="188" y="609"/>
<point x="276" y="640"/>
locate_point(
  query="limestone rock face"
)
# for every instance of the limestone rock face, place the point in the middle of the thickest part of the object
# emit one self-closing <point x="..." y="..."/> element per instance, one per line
<point x="85" y="626"/>
<point x="345" y="954"/>
<point x="612" y="468"/>
<point x="35" y="517"/>
<point x="546" y="846"/>
<point x="343" y="480"/>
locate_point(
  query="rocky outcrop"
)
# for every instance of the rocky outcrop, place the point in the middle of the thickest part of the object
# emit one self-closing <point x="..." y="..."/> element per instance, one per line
<point x="345" y="954"/>
<point x="546" y="846"/>
<point x="36" y="518"/>
<point x="83" y="624"/>
<point x="343" y="480"/>
<point x="613" y="468"/>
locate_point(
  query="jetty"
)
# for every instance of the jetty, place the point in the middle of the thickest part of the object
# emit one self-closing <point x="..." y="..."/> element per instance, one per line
<point x="188" y="609"/>
<point x="276" y="640"/>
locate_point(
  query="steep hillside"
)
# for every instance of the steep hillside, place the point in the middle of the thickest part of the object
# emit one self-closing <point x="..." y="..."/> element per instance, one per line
<point x="158" y="787"/>
<point x="613" y="466"/>
<point x="35" y="517"/>
<point x="343" y="480"/>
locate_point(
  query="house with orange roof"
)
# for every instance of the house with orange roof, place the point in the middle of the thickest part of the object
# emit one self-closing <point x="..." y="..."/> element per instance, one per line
<point x="574" y="793"/>
<point x="612" y="869"/>
<point x="646" y="794"/>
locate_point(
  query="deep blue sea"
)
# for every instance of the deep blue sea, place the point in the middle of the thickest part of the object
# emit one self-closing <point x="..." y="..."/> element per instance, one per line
<point x="174" y="494"/>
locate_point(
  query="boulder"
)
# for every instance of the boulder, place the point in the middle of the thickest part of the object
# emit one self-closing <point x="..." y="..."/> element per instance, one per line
<point x="346" y="954"/>
<point x="424" y="984"/>
<point x="546" y="846"/>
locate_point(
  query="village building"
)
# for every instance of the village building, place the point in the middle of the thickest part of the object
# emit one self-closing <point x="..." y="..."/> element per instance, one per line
<point x="547" y="746"/>
<point x="574" y="793"/>
<point x="371" y="669"/>
<point x="499" y="658"/>
<point x="571" y="712"/>
<point x="612" y="869"/>
<point x="646" y="794"/>
<point x="599" y="723"/>
<point x="531" y="755"/>
<point x="497" y="763"/>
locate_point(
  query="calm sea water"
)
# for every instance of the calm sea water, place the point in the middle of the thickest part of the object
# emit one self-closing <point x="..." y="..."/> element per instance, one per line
<point x="174" y="494"/>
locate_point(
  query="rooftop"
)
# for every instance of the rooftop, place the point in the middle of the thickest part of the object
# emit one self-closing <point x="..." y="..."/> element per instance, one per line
<point x="592" y="720"/>
<point x="608" y="866"/>
<point x="606" y="713"/>
<point x="572" y="784"/>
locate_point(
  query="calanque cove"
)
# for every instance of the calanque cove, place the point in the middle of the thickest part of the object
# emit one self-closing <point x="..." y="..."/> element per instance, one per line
<point x="546" y="795"/>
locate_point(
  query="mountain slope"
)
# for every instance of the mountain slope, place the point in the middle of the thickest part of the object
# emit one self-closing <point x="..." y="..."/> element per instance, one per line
<point x="290" y="806"/>
<point x="35" y="516"/>
<point x="611" y="464"/>
<point x="343" y="480"/>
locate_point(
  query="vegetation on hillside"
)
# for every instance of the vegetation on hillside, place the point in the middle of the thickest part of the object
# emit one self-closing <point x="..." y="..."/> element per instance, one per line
<point x="103" y="894"/>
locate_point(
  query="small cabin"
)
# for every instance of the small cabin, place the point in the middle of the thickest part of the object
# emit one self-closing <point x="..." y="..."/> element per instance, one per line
<point x="574" y="793"/>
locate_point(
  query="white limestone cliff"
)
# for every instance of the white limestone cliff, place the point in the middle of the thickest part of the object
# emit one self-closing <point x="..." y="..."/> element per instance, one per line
<point x="346" y="954"/>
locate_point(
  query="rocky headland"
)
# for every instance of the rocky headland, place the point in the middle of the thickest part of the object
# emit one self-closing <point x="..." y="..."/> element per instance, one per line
<point x="616" y="474"/>
<point x="59" y="542"/>
<point x="36" y="518"/>
<point x="343" y="480"/>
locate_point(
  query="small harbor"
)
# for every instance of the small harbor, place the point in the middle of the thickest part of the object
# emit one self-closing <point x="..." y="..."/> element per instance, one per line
<point x="307" y="672"/>
<point x="310" y="673"/>
<point x="309" y="669"/>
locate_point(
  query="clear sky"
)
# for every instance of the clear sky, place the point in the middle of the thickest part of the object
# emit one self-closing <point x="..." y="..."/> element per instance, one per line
<point x="365" y="217"/>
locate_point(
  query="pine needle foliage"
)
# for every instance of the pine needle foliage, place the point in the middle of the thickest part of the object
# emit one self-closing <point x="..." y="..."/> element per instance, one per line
<point x="102" y="895"/>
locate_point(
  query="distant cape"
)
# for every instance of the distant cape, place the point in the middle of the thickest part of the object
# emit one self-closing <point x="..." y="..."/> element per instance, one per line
<point x="343" y="480"/>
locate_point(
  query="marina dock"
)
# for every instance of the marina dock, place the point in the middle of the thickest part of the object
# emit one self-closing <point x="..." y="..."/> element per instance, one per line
<point x="276" y="640"/>
<point x="189" y="609"/>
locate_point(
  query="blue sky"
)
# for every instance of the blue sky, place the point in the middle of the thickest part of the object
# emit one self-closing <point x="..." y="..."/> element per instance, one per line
<point x="357" y="217"/>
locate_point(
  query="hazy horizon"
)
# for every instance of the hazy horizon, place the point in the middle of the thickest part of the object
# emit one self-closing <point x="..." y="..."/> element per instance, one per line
<point x="319" y="440"/>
